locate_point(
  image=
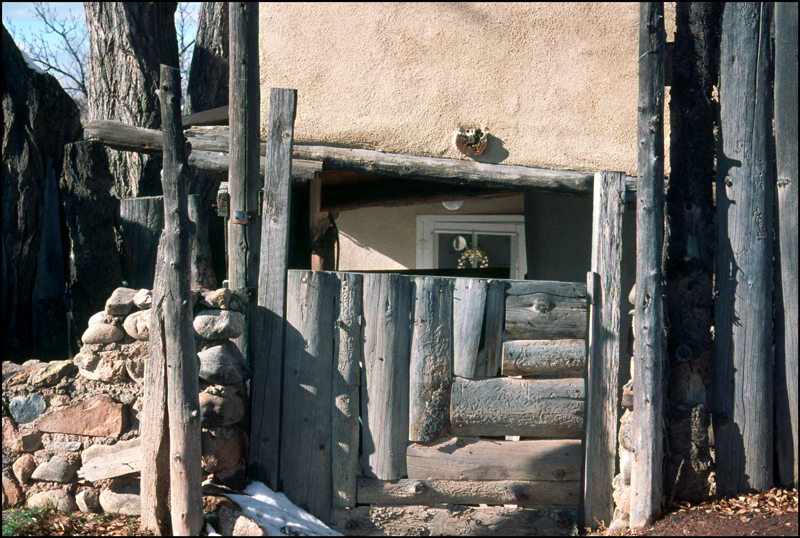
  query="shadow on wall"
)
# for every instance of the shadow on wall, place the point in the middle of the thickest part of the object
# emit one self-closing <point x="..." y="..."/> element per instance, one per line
<point x="495" y="153"/>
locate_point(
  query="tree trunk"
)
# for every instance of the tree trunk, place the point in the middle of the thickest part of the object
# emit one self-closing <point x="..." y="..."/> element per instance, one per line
<point x="690" y="247"/>
<point x="128" y="41"/>
<point x="38" y="119"/>
<point x="208" y="89"/>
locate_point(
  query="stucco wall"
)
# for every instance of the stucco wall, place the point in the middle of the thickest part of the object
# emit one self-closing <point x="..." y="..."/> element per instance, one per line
<point x="555" y="83"/>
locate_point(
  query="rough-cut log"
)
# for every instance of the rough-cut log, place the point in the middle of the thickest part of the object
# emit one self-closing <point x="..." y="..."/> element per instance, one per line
<point x="689" y="266"/>
<point x="305" y="468"/>
<point x="94" y="263"/>
<point x="128" y="41"/>
<point x="562" y="494"/>
<point x="39" y="118"/>
<point x="743" y="382"/>
<point x="267" y="342"/>
<point x="524" y="407"/>
<point x="604" y="282"/>
<point x="345" y="391"/>
<point x="177" y="331"/>
<point x="110" y="465"/>
<point x="543" y="310"/>
<point x="646" y="478"/>
<point x="453" y="521"/>
<point x="384" y="378"/>
<point x="209" y="154"/>
<point x="431" y="363"/>
<point x="469" y="304"/>
<point x="215" y="116"/>
<point x="786" y="321"/>
<point x="464" y="458"/>
<point x="564" y="358"/>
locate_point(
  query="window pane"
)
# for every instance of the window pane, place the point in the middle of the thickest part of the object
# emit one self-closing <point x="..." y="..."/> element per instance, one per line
<point x="497" y="248"/>
<point x="448" y="255"/>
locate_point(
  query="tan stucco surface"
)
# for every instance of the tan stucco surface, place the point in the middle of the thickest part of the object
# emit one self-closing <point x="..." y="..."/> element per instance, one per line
<point x="554" y="83"/>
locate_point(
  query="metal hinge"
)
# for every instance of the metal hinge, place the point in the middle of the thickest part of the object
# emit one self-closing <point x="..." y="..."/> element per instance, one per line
<point x="244" y="217"/>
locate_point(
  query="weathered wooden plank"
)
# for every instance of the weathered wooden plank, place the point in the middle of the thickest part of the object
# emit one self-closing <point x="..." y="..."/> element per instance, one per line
<point x="215" y="116"/>
<point x="209" y="155"/>
<point x="646" y="478"/>
<point x="469" y="304"/>
<point x="542" y="494"/>
<point x="524" y="407"/>
<point x="495" y="321"/>
<point x="431" y="362"/>
<point x="743" y="377"/>
<point x="466" y="458"/>
<point x="345" y="391"/>
<point x="604" y="347"/>
<point x="786" y="320"/>
<point x="305" y="467"/>
<point x="267" y="341"/>
<point x="110" y="465"/>
<point x="545" y="310"/>
<point x="453" y="521"/>
<point x="384" y="378"/>
<point x="565" y="358"/>
<point x="183" y="404"/>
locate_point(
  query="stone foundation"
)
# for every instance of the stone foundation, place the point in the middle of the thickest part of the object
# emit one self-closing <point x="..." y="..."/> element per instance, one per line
<point x="57" y="416"/>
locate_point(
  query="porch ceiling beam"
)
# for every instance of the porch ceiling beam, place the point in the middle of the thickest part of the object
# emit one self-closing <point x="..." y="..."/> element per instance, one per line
<point x="207" y="147"/>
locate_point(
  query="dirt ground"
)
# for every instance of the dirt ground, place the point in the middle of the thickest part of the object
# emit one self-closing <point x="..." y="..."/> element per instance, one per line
<point x="769" y="514"/>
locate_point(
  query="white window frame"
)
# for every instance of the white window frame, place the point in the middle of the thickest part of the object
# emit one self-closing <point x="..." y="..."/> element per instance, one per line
<point x="429" y="225"/>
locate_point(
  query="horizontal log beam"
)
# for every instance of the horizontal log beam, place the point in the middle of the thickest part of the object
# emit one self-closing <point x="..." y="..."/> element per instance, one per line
<point x="540" y="494"/>
<point x="215" y="116"/>
<point x="544" y="310"/>
<point x="465" y="458"/>
<point x="118" y="135"/>
<point x="208" y="156"/>
<point x="564" y="358"/>
<point x="549" y="408"/>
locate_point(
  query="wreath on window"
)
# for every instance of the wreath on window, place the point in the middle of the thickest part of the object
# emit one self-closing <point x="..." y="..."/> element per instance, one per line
<point x="473" y="255"/>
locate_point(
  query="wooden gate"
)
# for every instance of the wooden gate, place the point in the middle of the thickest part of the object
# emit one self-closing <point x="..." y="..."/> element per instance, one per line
<point x="406" y="390"/>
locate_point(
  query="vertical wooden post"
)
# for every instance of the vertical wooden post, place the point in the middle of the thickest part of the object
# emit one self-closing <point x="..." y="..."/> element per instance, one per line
<point x="345" y="392"/>
<point x="469" y="295"/>
<point x="786" y="321"/>
<point x="648" y="399"/>
<point x="743" y="382"/>
<point x="384" y="379"/>
<point x="604" y="288"/>
<point x="431" y="362"/>
<point x="243" y="175"/>
<point x="177" y="332"/>
<point x="268" y="315"/>
<point x="321" y="245"/>
<point x="305" y="470"/>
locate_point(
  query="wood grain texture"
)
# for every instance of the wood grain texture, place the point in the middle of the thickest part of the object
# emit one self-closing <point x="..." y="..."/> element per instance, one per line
<point x="417" y="520"/>
<point x="563" y="494"/>
<point x="345" y="390"/>
<point x="495" y="321"/>
<point x="111" y="465"/>
<point x="565" y="358"/>
<point x="646" y="479"/>
<point x="545" y="310"/>
<point x="469" y="304"/>
<point x="384" y="378"/>
<point x="182" y="372"/>
<point x="743" y="376"/>
<point x="604" y="347"/>
<point x="468" y="458"/>
<point x="786" y="321"/>
<point x="305" y="467"/>
<point x="431" y="362"/>
<point x="268" y="316"/>
<point x="525" y="407"/>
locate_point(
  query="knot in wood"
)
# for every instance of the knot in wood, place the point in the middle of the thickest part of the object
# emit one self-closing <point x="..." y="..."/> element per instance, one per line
<point x="543" y="306"/>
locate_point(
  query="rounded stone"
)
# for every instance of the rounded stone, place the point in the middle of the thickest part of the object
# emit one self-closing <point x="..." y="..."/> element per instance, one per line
<point x="55" y="470"/>
<point x="218" y="324"/>
<point x="97" y="318"/>
<point x="88" y="501"/>
<point x="137" y="325"/>
<point x="23" y="468"/>
<point x="59" y="499"/>
<point x="25" y="409"/>
<point x="125" y="501"/>
<point x="102" y="333"/>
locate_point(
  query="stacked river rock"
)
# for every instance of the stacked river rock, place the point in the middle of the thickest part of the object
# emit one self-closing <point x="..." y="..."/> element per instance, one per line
<point x="59" y="416"/>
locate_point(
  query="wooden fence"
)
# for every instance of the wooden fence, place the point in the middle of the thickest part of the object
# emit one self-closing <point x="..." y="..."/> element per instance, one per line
<point x="396" y="391"/>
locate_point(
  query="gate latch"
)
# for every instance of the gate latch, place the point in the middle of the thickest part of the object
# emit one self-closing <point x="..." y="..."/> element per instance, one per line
<point x="223" y="204"/>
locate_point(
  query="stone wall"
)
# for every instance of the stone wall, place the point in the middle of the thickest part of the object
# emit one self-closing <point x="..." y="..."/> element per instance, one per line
<point x="60" y="415"/>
